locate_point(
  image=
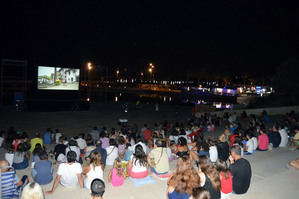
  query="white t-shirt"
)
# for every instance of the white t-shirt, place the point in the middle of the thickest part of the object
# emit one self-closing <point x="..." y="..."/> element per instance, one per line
<point x="213" y="153"/>
<point x="284" y="138"/>
<point x="81" y="143"/>
<point x="137" y="167"/>
<point x="57" y="136"/>
<point x="75" y="149"/>
<point x="112" y="154"/>
<point x="250" y="146"/>
<point x="254" y="139"/>
<point x="68" y="173"/>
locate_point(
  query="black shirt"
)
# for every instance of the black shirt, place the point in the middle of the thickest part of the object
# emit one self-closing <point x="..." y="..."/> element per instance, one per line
<point x="59" y="148"/>
<point x="213" y="192"/>
<point x="223" y="150"/>
<point x="274" y="138"/>
<point x="241" y="172"/>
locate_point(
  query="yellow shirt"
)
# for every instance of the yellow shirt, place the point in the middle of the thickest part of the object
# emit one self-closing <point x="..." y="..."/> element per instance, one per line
<point x="296" y="137"/>
<point x="35" y="141"/>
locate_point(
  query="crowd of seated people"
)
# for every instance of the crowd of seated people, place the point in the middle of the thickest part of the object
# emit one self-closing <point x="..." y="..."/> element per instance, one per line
<point x="220" y="167"/>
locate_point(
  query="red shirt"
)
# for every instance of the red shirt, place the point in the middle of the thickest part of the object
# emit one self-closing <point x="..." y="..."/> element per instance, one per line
<point x="226" y="184"/>
<point x="232" y="139"/>
<point x="147" y="134"/>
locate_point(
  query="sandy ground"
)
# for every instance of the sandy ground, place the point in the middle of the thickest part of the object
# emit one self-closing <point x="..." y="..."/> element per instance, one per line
<point x="269" y="171"/>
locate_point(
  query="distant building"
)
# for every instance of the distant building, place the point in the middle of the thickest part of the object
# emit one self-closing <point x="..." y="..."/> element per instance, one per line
<point x="68" y="75"/>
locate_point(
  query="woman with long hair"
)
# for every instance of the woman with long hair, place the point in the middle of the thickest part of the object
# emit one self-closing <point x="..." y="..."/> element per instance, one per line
<point x="20" y="160"/>
<point x="94" y="170"/>
<point x="137" y="166"/>
<point x="183" y="180"/>
<point x="209" y="176"/>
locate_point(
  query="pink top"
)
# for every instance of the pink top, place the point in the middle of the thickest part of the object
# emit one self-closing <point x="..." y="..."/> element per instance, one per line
<point x="264" y="141"/>
<point x="117" y="180"/>
<point x="226" y="184"/>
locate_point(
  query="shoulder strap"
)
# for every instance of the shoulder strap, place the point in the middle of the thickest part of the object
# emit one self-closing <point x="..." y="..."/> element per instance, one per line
<point x="160" y="156"/>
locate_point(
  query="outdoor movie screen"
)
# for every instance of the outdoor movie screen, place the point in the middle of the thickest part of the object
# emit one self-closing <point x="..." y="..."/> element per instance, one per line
<point x="57" y="78"/>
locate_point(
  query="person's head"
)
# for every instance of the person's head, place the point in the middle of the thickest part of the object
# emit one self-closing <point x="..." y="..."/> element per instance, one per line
<point x="222" y="138"/>
<point x="249" y="135"/>
<point x="159" y="143"/>
<point x="60" y="139"/>
<point x="140" y="155"/>
<point x="118" y="166"/>
<point x="221" y="166"/>
<point x="32" y="191"/>
<point x="121" y="140"/>
<point x="96" y="159"/>
<point x="236" y="152"/>
<point x="182" y="141"/>
<point x="71" y="156"/>
<point x="37" y="135"/>
<point x="43" y="155"/>
<point x="95" y="128"/>
<point x="73" y="142"/>
<point x="185" y="177"/>
<point x="200" y="193"/>
<point x="20" y="148"/>
<point x="112" y="142"/>
<point x="37" y="149"/>
<point x="206" y="166"/>
<point x="97" y="188"/>
<point x="99" y="144"/>
<point x="4" y="165"/>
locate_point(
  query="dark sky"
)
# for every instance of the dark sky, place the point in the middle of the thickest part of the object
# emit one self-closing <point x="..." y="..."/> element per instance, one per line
<point x="179" y="37"/>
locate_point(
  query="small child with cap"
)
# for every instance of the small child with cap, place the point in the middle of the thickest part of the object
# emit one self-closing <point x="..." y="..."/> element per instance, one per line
<point x="97" y="189"/>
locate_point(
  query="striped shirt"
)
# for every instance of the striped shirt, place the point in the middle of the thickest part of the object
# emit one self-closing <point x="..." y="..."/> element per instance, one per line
<point x="9" y="186"/>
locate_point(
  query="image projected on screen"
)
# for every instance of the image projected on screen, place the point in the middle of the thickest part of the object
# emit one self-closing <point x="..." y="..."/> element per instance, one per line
<point x="57" y="78"/>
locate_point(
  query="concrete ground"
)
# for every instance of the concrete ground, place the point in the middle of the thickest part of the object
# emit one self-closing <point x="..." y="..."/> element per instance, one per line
<point x="271" y="178"/>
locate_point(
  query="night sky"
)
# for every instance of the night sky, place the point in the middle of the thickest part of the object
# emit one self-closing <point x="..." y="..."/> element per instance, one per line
<point x="179" y="37"/>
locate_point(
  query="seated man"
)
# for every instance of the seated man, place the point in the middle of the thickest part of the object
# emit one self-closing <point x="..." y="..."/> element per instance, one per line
<point x="158" y="159"/>
<point x="240" y="170"/>
<point x="68" y="174"/>
<point x="10" y="183"/>
<point x="97" y="188"/>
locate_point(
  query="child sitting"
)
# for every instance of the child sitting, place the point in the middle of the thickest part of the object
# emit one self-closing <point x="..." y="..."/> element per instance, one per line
<point x="225" y="179"/>
<point x="116" y="175"/>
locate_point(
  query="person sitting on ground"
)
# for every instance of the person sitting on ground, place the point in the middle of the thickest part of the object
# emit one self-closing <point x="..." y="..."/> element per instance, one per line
<point x="274" y="137"/>
<point x="201" y="148"/>
<point x="182" y="147"/>
<point x="117" y="175"/>
<point x="284" y="136"/>
<point x="68" y="174"/>
<point x="146" y="133"/>
<point x="35" y="140"/>
<point x="200" y="193"/>
<point x="97" y="188"/>
<point x="59" y="150"/>
<point x="177" y="186"/>
<point x="295" y="141"/>
<point x="240" y="170"/>
<point x="158" y="159"/>
<point x="94" y="134"/>
<point x="20" y="159"/>
<point x="42" y="172"/>
<point x="102" y="152"/>
<point x="222" y="147"/>
<point x="47" y="136"/>
<point x="94" y="170"/>
<point x="38" y="149"/>
<point x="57" y="135"/>
<point x="128" y="153"/>
<point x="10" y="183"/>
<point x="104" y="139"/>
<point x="225" y="178"/>
<point x="73" y="146"/>
<point x="32" y="191"/>
<point x="213" y="150"/>
<point x="81" y="142"/>
<point x="112" y="152"/>
<point x="249" y="144"/>
<point x="209" y="176"/>
<point x="263" y="141"/>
<point x="121" y="146"/>
<point x="137" y="165"/>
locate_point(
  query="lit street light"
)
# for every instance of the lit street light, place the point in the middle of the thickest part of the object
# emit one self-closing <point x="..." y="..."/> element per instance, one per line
<point x="89" y="65"/>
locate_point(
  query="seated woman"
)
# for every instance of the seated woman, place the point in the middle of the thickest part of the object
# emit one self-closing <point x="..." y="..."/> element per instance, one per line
<point x="201" y="148"/>
<point x="94" y="170"/>
<point x="177" y="186"/>
<point x="42" y="172"/>
<point x="182" y="148"/>
<point x="20" y="160"/>
<point x="263" y="141"/>
<point x="209" y="176"/>
<point x="137" y="165"/>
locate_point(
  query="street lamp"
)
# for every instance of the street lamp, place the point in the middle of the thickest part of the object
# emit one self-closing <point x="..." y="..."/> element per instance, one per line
<point x="89" y="66"/>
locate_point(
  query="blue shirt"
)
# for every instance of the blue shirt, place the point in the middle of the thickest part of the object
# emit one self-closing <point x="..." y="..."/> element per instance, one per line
<point x="44" y="172"/>
<point x="176" y="195"/>
<point x="103" y="153"/>
<point x="47" y="138"/>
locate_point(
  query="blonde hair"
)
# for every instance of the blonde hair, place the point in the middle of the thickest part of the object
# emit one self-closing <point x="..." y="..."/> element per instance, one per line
<point x="222" y="138"/>
<point x="32" y="191"/>
<point x="118" y="166"/>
